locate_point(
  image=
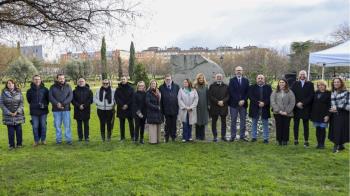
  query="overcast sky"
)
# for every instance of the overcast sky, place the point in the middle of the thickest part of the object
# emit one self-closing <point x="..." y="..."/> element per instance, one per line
<point x="212" y="23"/>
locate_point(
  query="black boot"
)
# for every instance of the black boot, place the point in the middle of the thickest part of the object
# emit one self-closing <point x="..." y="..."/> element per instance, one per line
<point x="335" y="148"/>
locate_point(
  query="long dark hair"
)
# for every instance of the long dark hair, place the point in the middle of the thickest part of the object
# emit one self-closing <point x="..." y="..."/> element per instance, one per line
<point x="278" y="89"/>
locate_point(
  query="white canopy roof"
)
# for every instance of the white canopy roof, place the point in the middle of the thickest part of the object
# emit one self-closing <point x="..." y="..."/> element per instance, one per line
<point x="332" y="57"/>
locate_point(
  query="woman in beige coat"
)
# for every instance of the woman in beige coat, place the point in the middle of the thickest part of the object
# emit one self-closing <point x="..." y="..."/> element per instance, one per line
<point x="188" y="101"/>
<point x="282" y="102"/>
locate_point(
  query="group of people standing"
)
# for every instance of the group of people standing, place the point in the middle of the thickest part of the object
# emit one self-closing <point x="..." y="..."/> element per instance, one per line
<point x="192" y="104"/>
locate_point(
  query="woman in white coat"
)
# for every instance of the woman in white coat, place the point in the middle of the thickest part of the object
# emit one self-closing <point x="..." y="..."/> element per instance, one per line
<point x="188" y="101"/>
<point x="105" y="108"/>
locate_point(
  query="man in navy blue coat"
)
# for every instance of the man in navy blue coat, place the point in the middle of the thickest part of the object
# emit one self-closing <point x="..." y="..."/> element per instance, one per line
<point x="259" y="107"/>
<point x="169" y="106"/>
<point x="238" y="90"/>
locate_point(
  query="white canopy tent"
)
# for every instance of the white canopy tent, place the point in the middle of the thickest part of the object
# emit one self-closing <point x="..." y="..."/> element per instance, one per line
<point x="332" y="57"/>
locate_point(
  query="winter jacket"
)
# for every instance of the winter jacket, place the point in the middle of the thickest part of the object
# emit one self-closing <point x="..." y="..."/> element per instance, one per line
<point x="169" y="102"/>
<point x="188" y="100"/>
<point x="82" y="96"/>
<point x="123" y="96"/>
<point x="11" y="102"/>
<point x="60" y="94"/>
<point x="38" y="99"/>
<point x="282" y="101"/>
<point x="103" y="104"/>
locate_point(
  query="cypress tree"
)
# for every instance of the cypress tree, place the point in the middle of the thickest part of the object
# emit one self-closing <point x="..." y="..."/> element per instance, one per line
<point x="103" y="59"/>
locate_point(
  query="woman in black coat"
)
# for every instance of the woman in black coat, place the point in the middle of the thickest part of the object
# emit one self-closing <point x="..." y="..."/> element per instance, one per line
<point x="82" y="100"/>
<point x="154" y="117"/>
<point x="319" y="113"/>
<point x="339" y="122"/>
<point x="123" y="98"/>
<point x="139" y="111"/>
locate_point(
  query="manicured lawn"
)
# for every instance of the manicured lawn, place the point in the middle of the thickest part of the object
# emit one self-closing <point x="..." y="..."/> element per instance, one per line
<point x="200" y="168"/>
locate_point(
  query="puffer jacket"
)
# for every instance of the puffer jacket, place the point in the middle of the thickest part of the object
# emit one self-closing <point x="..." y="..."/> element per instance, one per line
<point x="60" y="94"/>
<point x="11" y="102"/>
<point x="104" y="104"/>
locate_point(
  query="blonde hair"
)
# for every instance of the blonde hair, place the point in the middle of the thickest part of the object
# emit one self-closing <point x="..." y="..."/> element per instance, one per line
<point x="139" y="83"/>
<point x="150" y="82"/>
<point x="321" y="82"/>
<point x="196" y="83"/>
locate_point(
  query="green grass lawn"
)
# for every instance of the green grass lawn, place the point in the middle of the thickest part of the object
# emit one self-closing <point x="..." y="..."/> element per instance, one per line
<point x="199" y="168"/>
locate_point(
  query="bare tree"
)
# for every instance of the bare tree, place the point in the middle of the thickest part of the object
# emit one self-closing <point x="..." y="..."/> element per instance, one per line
<point x="342" y="33"/>
<point x="71" y="19"/>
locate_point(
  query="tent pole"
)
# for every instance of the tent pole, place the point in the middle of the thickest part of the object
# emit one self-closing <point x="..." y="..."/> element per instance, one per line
<point x="308" y="72"/>
<point x="323" y="72"/>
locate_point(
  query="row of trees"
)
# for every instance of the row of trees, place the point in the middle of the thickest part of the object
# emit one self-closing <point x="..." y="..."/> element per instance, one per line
<point x="107" y="69"/>
<point x="270" y="62"/>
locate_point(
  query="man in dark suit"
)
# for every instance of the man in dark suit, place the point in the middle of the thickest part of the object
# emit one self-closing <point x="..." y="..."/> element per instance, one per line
<point x="238" y="90"/>
<point x="218" y="98"/>
<point x="259" y="107"/>
<point x="304" y="93"/>
<point x="169" y="106"/>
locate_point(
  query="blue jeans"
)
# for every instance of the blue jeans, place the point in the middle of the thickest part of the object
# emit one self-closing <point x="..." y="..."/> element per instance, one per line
<point x="36" y="122"/>
<point x="234" y="111"/>
<point x="64" y="117"/>
<point x="187" y="129"/>
<point x="265" y="123"/>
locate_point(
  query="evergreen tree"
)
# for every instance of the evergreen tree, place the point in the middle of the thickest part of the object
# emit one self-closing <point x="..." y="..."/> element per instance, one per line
<point x="131" y="60"/>
<point x="103" y="59"/>
<point x="140" y="74"/>
<point x="120" y="68"/>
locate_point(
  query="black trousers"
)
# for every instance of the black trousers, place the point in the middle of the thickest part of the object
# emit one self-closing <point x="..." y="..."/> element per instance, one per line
<point x="83" y="129"/>
<point x="200" y="132"/>
<point x="320" y="135"/>
<point x="139" y="128"/>
<point x="223" y="125"/>
<point x="14" y="131"/>
<point x="122" y="127"/>
<point x="106" y="117"/>
<point x="296" y="128"/>
<point x="170" y="126"/>
<point x="282" y="127"/>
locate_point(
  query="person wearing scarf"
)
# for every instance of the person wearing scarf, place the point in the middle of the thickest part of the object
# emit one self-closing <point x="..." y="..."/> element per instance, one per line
<point x="105" y="109"/>
<point x="339" y="121"/>
<point x="153" y="112"/>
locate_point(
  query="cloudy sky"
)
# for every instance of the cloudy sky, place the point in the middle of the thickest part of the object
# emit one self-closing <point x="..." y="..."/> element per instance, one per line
<point x="211" y="23"/>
